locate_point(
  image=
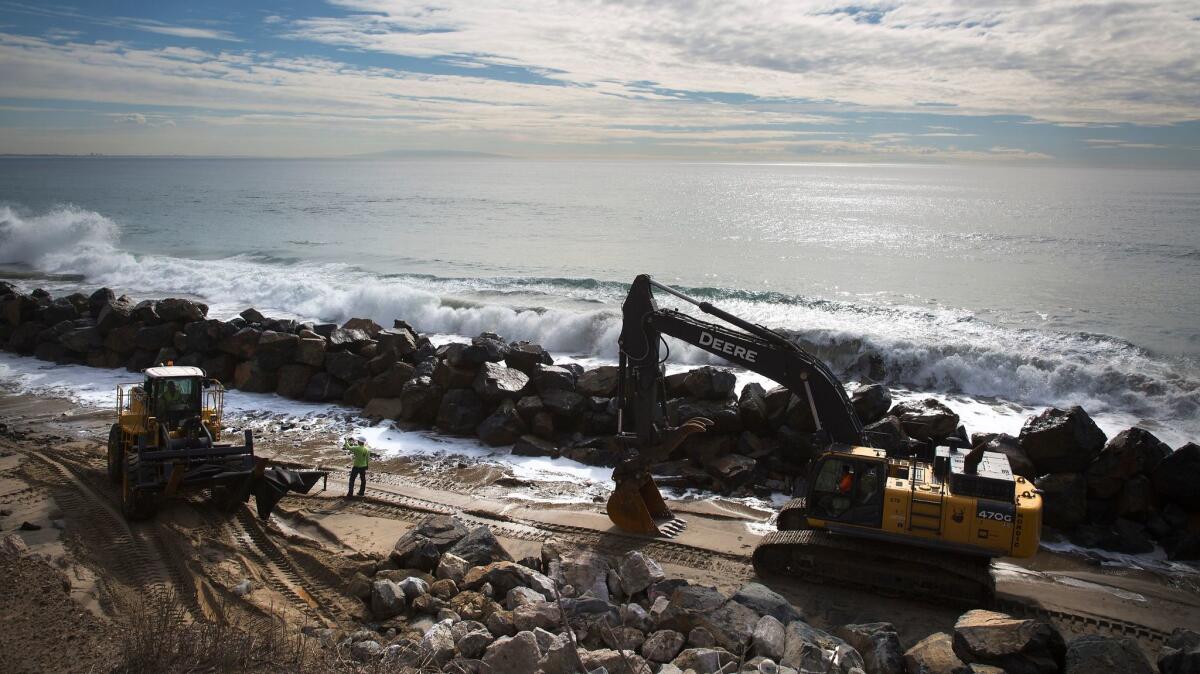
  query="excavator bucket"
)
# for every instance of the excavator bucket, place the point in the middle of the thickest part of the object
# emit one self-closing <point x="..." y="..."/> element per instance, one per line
<point x="636" y="504"/>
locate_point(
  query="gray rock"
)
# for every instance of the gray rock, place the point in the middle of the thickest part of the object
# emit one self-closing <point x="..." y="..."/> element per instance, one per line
<point x="878" y="644"/>
<point x="1064" y="500"/>
<point x="1018" y="646"/>
<point x="926" y="419"/>
<point x="586" y="571"/>
<point x="686" y="605"/>
<point x="638" y="572"/>
<point x="511" y="655"/>
<point x="460" y="412"/>
<point x="600" y="382"/>
<point x="495" y="382"/>
<point x="1181" y="653"/>
<point x="480" y="547"/>
<point x="1092" y="653"/>
<point x="545" y="639"/>
<point x="543" y="614"/>
<point x="934" y="655"/>
<point x="662" y="646"/>
<point x="438" y="643"/>
<point x="436" y="532"/>
<point x="808" y="648"/>
<point x="614" y="662"/>
<point x="519" y="596"/>
<point x="532" y="445"/>
<point x="623" y="638"/>
<point x="452" y="567"/>
<point x="387" y="599"/>
<point x="704" y="660"/>
<point x="765" y="601"/>
<point x="1133" y="451"/>
<point x="525" y="357"/>
<point x="1062" y="441"/>
<point x="503" y="576"/>
<point x="559" y="659"/>
<point x="698" y="637"/>
<point x="363" y="651"/>
<point x="871" y="402"/>
<point x="1176" y="476"/>
<point x="732" y="625"/>
<point x="564" y="403"/>
<point x="633" y="615"/>
<point x="473" y="644"/>
<point x="503" y="426"/>
<point x="413" y="587"/>
<point x="769" y="638"/>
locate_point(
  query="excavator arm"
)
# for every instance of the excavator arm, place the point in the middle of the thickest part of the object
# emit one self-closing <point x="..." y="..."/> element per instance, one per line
<point x="636" y="503"/>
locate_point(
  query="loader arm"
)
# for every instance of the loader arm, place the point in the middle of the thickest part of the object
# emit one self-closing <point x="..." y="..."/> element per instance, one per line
<point x="636" y="502"/>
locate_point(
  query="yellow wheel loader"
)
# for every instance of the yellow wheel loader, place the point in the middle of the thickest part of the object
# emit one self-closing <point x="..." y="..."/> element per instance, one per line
<point x="167" y="438"/>
<point x="909" y="525"/>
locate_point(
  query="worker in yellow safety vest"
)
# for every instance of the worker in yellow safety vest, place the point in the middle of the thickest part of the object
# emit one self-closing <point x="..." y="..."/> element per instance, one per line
<point x="362" y="456"/>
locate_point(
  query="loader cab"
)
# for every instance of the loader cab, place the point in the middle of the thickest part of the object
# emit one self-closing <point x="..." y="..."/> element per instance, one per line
<point x="847" y="487"/>
<point x="173" y="393"/>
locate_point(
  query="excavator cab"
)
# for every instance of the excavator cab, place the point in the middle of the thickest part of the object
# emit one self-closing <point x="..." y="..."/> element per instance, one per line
<point x="848" y="488"/>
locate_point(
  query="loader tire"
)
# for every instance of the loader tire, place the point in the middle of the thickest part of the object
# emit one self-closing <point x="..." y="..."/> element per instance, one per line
<point x="116" y="454"/>
<point x="135" y="503"/>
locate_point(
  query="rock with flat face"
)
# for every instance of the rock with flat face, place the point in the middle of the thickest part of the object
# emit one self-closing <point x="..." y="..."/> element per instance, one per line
<point x="686" y="606"/>
<point x="709" y="383"/>
<point x="732" y="625"/>
<point x="1181" y="653"/>
<point x="638" y="572"/>
<point x="704" y="660"/>
<point x="614" y="662"/>
<point x="240" y="344"/>
<point x="934" y="655"/>
<point x="1132" y="452"/>
<point x="769" y="638"/>
<point x="752" y="408"/>
<point x="1062" y="441"/>
<point x="871" y="402"/>
<point x="808" y="648"/>
<point x="662" y="646"/>
<point x="436" y="534"/>
<point x="765" y="601"/>
<point x="525" y="356"/>
<point x="460" y="412"/>
<point x="387" y="599"/>
<point x="878" y="644"/>
<point x="1092" y="653"/>
<point x="926" y="419"/>
<point x="438" y="643"/>
<point x="176" y="310"/>
<point x="586" y="571"/>
<point x="1064" y="500"/>
<point x="600" y="382"/>
<point x="503" y="576"/>
<point x="1019" y="646"/>
<point x="1176" y="477"/>
<point x="495" y="382"/>
<point x="480" y="547"/>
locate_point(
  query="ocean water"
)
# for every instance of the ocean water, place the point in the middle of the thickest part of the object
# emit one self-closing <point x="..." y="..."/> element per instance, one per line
<point x="999" y="289"/>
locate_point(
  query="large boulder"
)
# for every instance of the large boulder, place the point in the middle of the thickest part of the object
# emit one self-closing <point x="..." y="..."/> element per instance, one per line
<point x="387" y="599"/>
<point x="732" y="625"/>
<point x="687" y="604"/>
<point x="765" y="601"/>
<point x="525" y="357"/>
<point x="1019" y="646"/>
<point x="584" y="570"/>
<point x="769" y="638"/>
<point x="390" y="382"/>
<point x="486" y="348"/>
<point x="292" y="380"/>
<point x="495" y="382"/>
<point x="504" y="576"/>
<point x="934" y="655"/>
<point x="887" y="434"/>
<point x="614" y="662"/>
<point x="202" y="336"/>
<point x="437" y="645"/>
<point x="275" y="349"/>
<point x="251" y="377"/>
<point x="1018" y="461"/>
<point x="114" y="314"/>
<point x="421" y="399"/>
<point x="871" y="402"/>
<point x="723" y="413"/>
<point x="310" y="351"/>
<point x="324" y="387"/>
<point x="752" y="408"/>
<point x="1092" y="653"/>
<point x="480" y="547"/>
<point x="709" y="383"/>
<point x="178" y="310"/>
<point x="345" y="365"/>
<point x="420" y="547"/>
<point x="1133" y="451"/>
<point x="1181" y="653"/>
<point x="1176" y="477"/>
<point x="460" y="412"/>
<point x="82" y="340"/>
<point x="1062" y="441"/>
<point x="662" y="646"/>
<point x="807" y="648"/>
<point x="926" y="419"/>
<point x="155" y="337"/>
<point x="240" y="344"/>
<point x="531" y="445"/>
<point x="638" y="572"/>
<point x="552" y="378"/>
<point x="878" y="644"/>
<point x="600" y="382"/>
<point x="400" y="341"/>
<point x="1064" y="500"/>
<point x="705" y="660"/>
<point x="503" y="426"/>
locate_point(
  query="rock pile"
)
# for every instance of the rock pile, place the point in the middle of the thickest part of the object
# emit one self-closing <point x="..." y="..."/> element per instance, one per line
<point x="451" y="599"/>
<point x="1122" y="494"/>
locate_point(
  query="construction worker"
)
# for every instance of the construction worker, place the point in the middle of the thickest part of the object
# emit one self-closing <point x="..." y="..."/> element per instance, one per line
<point x="847" y="482"/>
<point x="362" y="456"/>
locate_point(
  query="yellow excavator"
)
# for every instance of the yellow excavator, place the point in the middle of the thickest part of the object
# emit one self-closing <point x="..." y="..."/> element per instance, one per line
<point x="911" y="525"/>
<point x="167" y="438"/>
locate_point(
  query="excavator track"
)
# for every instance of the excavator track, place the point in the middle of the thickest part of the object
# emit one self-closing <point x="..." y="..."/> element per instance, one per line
<point x="905" y="571"/>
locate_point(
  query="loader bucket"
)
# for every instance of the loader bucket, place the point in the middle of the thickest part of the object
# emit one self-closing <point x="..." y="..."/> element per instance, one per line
<point x="636" y="504"/>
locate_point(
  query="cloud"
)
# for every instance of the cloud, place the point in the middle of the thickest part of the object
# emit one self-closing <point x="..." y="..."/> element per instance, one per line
<point x="130" y="118"/>
<point x="1057" y="61"/>
<point x="144" y="25"/>
<point x="1116" y="144"/>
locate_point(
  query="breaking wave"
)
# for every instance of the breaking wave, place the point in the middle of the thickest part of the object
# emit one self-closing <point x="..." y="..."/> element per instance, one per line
<point x="932" y="350"/>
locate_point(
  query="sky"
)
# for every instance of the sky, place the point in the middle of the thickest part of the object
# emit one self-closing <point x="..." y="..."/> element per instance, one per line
<point x="1099" y="83"/>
